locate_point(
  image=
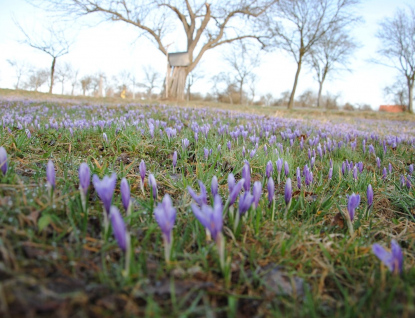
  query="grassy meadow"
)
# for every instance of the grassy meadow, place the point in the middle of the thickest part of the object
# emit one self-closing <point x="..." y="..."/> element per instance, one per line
<point x="282" y="254"/>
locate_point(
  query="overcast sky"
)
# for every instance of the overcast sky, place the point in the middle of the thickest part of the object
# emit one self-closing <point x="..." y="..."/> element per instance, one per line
<point x="112" y="47"/>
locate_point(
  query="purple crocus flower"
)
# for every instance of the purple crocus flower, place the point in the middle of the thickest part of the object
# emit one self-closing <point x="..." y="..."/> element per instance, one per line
<point x="229" y="145"/>
<point x="234" y="190"/>
<point x="378" y="162"/>
<point x="118" y="227"/>
<point x="142" y="169"/>
<point x="269" y="169"/>
<point x="206" y="153"/>
<point x="200" y="199"/>
<point x="286" y="169"/>
<point x="3" y="160"/>
<point x="105" y="189"/>
<point x="271" y="189"/>
<point x="330" y="173"/>
<point x="408" y="182"/>
<point x="402" y="180"/>
<point x="210" y="218"/>
<point x="245" y="201"/>
<point x="214" y="186"/>
<point x="279" y="165"/>
<point x="343" y="168"/>
<point x="165" y="216"/>
<point x="256" y="191"/>
<point x="298" y="178"/>
<point x="125" y="193"/>
<point x="369" y="196"/>
<point x="355" y="173"/>
<point x="390" y="167"/>
<point x="105" y="137"/>
<point x="28" y="134"/>
<point x="393" y="259"/>
<point x="246" y="175"/>
<point x="385" y="173"/>
<point x="288" y="192"/>
<point x="50" y="174"/>
<point x="411" y="169"/>
<point x="243" y="151"/>
<point x="84" y="177"/>
<point x="153" y="185"/>
<point x="352" y="204"/>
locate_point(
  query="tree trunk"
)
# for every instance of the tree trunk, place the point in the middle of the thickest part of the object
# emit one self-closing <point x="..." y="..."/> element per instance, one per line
<point x="241" y="92"/>
<point x="177" y="82"/>
<point x="52" y="74"/>
<point x="297" y="75"/>
<point x="320" y="89"/>
<point x="410" y="95"/>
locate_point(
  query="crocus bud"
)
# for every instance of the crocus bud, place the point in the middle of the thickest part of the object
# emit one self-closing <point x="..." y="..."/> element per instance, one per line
<point x="165" y="216"/>
<point x="352" y="204"/>
<point x="125" y="193"/>
<point x="256" y="191"/>
<point x="3" y="160"/>
<point x="369" y="195"/>
<point x="214" y="186"/>
<point x="118" y="227"/>
<point x="286" y="169"/>
<point x="50" y="174"/>
<point x="271" y="189"/>
<point x="153" y="185"/>
<point x="330" y="173"/>
<point x="84" y="177"/>
<point x="269" y="169"/>
<point x="246" y="175"/>
<point x="142" y="169"/>
<point x="105" y="189"/>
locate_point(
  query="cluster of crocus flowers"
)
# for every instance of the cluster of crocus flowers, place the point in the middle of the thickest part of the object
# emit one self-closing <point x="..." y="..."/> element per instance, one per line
<point x="393" y="259"/>
<point x="3" y="161"/>
<point x="212" y="221"/>
<point x="165" y="216"/>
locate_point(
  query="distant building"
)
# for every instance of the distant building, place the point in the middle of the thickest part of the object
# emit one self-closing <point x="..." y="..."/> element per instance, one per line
<point x="392" y="108"/>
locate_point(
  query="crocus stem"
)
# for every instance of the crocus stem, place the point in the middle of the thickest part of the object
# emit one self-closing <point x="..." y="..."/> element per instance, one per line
<point x="127" y="256"/>
<point x="236" y="222"/>
<point x="220" y="244"/>
<point x="279" y="178"/>
<point x="106" y="223"/>
<point x="83" y="199"/>
<point x="142" y="186"/>
<point x="167" y="247"/>
<point x="273" y="209"/>
<point x="129" y="209"/>
<point x="208" y="235"/>
<point x="286" y="210"/>
<point x="367" y="212"/>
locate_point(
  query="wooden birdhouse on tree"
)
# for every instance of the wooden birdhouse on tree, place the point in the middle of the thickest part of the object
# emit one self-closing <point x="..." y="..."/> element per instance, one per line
<point x="177" y="62"/>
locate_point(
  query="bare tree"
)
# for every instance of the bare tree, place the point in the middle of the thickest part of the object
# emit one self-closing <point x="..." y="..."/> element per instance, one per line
<point x="242" y="62"/>
<point x="151" y="80"/>
<point x="329" y="55"/>
<point x="21" y="68"/>
<point x="53" y="43"/>
<point x="298" y="25"/>
<point x="397" y="36"/>
<point x="206" y="26"/>
<point x="397" y="93"/>
<point x="63" y="73"/>
<point x="86" y="82"/>
<point x="37" y="78"/>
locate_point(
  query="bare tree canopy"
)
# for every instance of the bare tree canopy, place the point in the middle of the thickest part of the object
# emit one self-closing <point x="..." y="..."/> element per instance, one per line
<point x="397" y="36"/>
<point x="21" y="68"/>
<point x="298" y="25"/>
<point x="242" y="61"/>
<point x="329" y="55"/>
<point x="205" y="25"/>
<point x="52" y="41"/>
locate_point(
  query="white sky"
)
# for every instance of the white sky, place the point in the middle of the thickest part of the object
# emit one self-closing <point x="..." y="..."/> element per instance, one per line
<point x="112" y="47"/>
